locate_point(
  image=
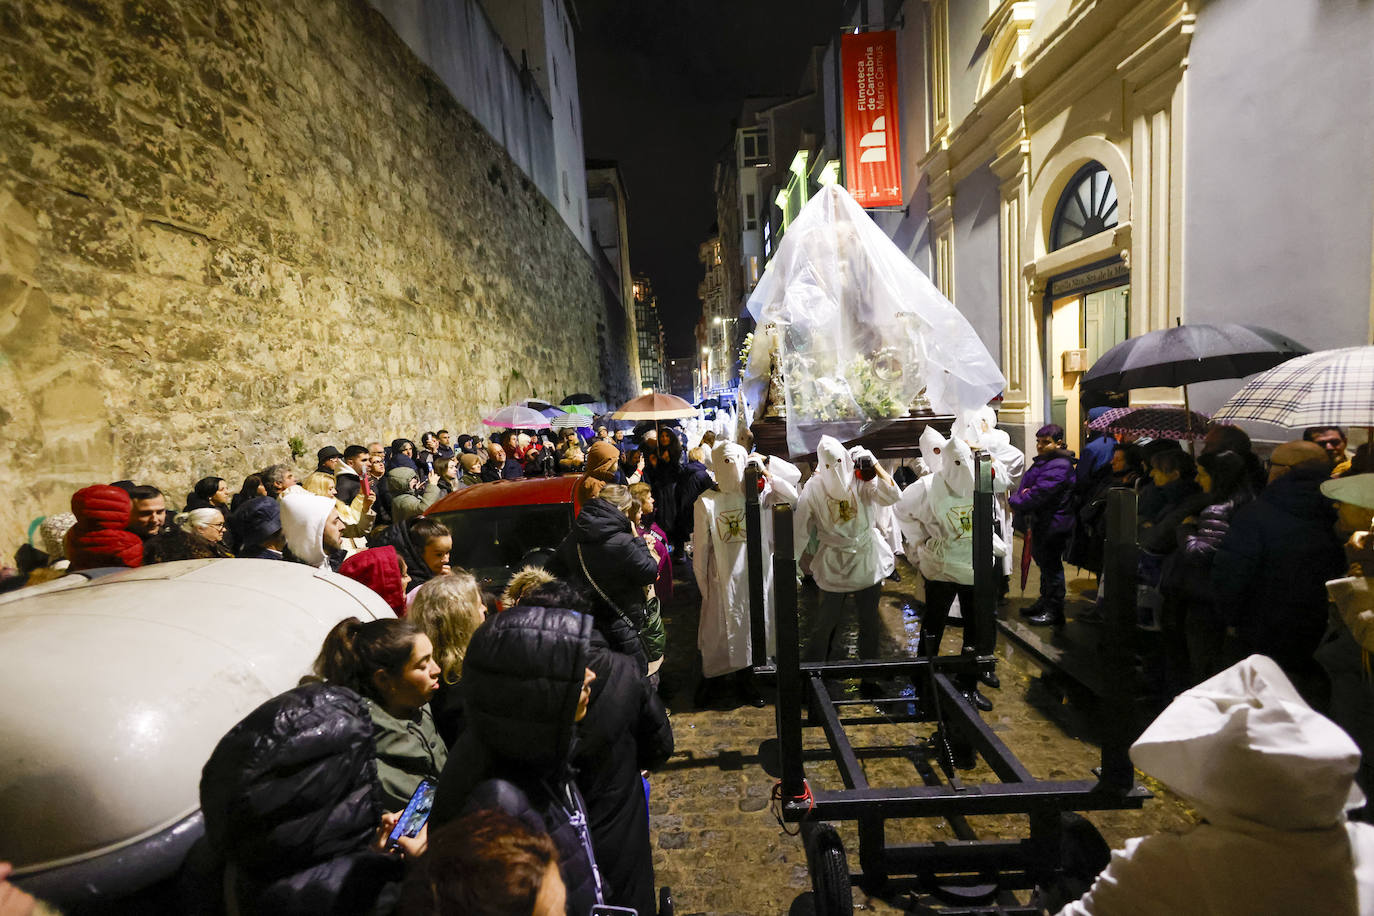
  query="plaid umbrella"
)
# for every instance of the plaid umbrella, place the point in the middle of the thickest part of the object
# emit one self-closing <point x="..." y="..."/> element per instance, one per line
<point x="1155" y="422"/>
<point x="574" y="416"/>
<point x="1326" y="388"/>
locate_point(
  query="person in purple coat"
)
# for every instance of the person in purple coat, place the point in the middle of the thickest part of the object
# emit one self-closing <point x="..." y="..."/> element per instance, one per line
<point x="1044" y="508"/>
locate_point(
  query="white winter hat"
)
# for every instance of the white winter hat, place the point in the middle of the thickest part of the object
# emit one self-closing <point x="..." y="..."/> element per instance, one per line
<point x="303" y="515"/>
<point x="1243" y="745"/>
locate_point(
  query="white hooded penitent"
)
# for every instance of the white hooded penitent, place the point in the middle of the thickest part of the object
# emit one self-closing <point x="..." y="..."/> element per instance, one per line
<point x="862" y="335"/>
<point x="1272" y="780"/>
<point x="836" y="521"/>
<point x="720" y="558"/>
<point x="936" y="512"/>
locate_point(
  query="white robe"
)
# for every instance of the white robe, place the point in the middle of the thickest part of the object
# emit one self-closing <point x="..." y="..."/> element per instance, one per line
<point x="936" y="514"/>
<point x="720" y="562"/>
<point x="851" y="554"/>
<point x="1273" y="780"/>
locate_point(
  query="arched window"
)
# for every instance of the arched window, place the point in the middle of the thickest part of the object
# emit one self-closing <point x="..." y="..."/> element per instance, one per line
<point x="1087" y="206"/>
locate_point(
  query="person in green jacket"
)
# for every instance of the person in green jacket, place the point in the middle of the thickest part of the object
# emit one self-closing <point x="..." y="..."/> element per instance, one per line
<point x="390" y="663"/>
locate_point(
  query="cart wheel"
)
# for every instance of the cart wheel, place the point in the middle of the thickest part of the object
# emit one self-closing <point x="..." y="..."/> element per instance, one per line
<point x="829" y="868"/>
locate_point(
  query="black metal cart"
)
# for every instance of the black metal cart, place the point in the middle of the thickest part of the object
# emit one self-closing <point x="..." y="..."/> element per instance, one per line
<point x="968" y="874"/>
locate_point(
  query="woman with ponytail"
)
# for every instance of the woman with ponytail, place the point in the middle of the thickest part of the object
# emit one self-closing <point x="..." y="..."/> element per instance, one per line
<point x="391" y="664"/>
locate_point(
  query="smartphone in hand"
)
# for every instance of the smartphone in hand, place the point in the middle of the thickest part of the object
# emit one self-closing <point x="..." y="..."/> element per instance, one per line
<point x="415" y="814"/>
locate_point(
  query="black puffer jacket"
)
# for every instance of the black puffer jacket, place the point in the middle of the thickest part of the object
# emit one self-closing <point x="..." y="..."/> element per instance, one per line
<point x="619" y="563"/>
<point x="626" y="730"/>
<point x="1189" y="575"/>
<point x="1271" y="569"/>
<point x="291" y="798"/>
<point x="522" y="678"/>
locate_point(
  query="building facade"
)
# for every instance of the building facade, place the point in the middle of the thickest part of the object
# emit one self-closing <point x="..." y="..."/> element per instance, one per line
<point x="1081" y="171"/>
<point x="513" y="64"/>
<point x="716" y="329"/>
<point x="653" y="363"/>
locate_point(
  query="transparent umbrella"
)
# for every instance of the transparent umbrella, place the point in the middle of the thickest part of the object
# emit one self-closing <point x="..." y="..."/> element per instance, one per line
<point x="517" y="416"/>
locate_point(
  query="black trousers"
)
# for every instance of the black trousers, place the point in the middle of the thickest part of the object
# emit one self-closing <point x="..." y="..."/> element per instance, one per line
<point x="940" y="597"/>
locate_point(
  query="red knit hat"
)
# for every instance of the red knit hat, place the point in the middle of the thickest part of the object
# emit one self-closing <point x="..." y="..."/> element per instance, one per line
<point x="99" y="537"/>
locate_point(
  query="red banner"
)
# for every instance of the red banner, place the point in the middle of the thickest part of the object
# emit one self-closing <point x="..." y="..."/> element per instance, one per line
<point x="872" y="149"/>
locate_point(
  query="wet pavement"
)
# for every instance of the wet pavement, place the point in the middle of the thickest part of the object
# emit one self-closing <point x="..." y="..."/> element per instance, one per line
<point x="722" y="851"/>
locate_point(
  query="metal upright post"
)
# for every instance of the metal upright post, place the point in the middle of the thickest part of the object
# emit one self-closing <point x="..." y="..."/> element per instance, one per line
<point x="985" y="577"/>
<point x="789" y="708"/>
<point x="753" y="535"/>
<point x="1114" y="652"/>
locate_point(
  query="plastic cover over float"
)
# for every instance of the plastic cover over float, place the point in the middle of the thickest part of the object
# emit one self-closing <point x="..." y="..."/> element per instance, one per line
<point x="853" y="336"/>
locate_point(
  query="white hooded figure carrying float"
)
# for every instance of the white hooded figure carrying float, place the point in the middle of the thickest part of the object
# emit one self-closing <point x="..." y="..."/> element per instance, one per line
<point x="836" y="522"/>
<point x="936" y="517"/>
<point x="853" y="335"/>
<point x="720" y="558"/>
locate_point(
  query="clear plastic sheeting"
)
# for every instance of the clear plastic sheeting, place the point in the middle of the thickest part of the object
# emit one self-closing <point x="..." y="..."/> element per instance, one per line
<point x="857" y="333"/>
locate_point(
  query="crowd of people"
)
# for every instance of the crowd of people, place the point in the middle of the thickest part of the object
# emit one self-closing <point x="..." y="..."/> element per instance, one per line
<point x="535" y="716"/>
<point x="1234" y="551"/>
<point x="536" y="727"/>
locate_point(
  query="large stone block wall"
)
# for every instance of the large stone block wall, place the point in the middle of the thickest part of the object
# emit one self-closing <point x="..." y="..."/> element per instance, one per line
<point x="228" y="222"/>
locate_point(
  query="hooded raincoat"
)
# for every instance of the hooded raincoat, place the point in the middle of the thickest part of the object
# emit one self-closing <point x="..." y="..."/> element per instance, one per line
<point x="1272" y="780"/>
<point x="836" y="520"/>
<point x="720" y="559"/>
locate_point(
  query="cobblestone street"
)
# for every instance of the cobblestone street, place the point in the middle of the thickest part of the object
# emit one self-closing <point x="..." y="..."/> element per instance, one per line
<point x="721" y="850"/>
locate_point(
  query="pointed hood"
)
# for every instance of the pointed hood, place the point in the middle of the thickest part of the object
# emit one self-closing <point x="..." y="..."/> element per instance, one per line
<point x="303" y="515"/>
<point x="728" y="460"/>
<point x="932" y="447"/>
<point x="956" y="465"/>
<point x="834" y="469"/>
<point x="1246" y="749"/>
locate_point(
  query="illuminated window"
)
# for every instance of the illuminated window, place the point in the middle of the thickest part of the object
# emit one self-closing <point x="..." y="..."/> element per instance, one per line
<point x="753" y="269"/>
<point x="1087" y="207"/>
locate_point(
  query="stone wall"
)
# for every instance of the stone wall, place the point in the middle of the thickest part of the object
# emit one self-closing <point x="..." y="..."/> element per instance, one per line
<point x="228" y="222"/>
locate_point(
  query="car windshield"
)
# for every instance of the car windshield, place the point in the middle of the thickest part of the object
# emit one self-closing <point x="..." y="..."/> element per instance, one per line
<point x="493" y="543"/>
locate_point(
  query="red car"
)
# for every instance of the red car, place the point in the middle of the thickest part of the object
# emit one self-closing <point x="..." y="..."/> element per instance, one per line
<point x="501" y="526"/>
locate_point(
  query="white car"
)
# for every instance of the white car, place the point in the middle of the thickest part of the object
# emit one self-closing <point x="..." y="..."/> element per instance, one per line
<point x="117" y="689"/>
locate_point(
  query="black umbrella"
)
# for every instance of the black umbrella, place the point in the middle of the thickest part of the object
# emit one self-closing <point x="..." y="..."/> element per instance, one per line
<point x="579" y="398"/>
<point x="1181" y="356"/>
<point x="1190" y="353"/>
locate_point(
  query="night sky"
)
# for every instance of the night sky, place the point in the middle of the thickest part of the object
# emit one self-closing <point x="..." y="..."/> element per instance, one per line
<point x="662" y="82"/>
